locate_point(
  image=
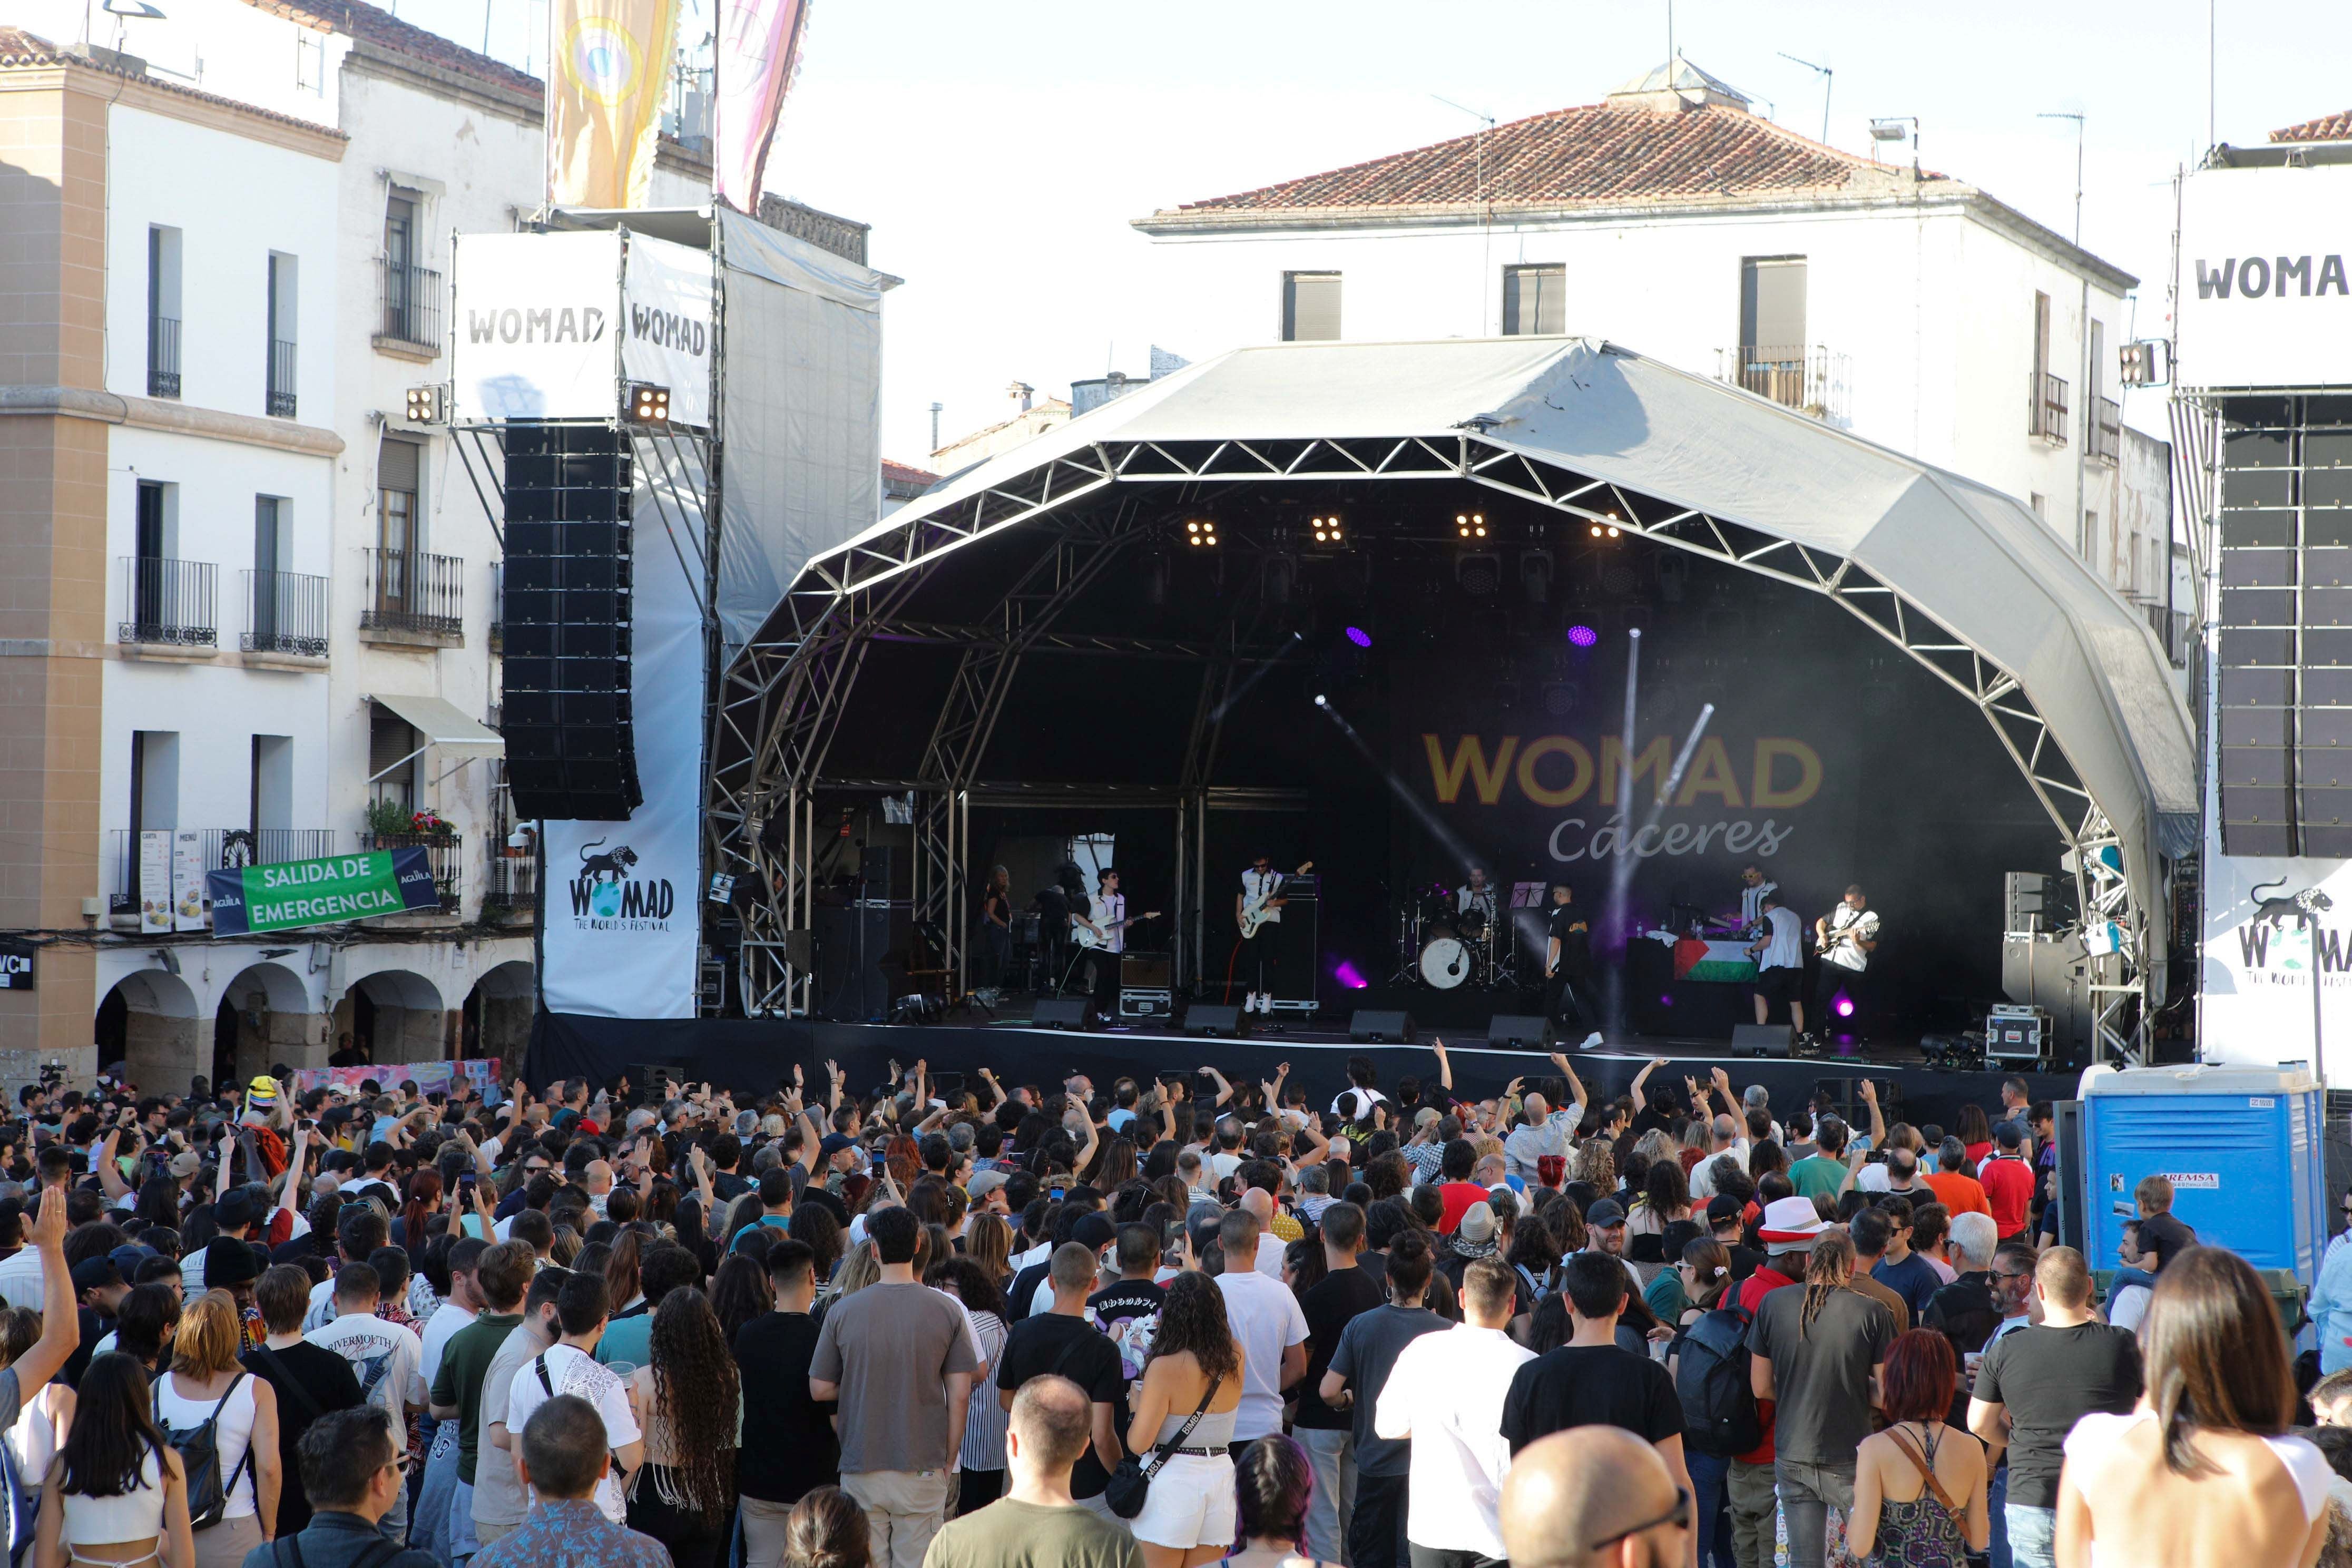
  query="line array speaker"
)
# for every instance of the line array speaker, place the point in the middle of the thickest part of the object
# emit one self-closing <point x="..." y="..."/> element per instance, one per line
<point x="2285" y="756"/>
<point x="567" y="707"/>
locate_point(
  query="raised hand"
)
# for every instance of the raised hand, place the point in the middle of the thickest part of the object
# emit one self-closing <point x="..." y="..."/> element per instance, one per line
<point x="49" y="1224"/>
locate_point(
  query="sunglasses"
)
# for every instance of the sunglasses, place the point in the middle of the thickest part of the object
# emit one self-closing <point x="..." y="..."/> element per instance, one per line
<point x="1679" y="1517"/>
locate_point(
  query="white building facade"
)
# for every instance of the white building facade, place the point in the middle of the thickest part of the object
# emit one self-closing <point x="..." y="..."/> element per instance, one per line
<point x="290" y="645"/>
<point x="1911" y="309"/>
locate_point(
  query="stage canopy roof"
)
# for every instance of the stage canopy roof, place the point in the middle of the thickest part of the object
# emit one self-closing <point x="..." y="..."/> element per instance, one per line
<point x="1966" y="579"/>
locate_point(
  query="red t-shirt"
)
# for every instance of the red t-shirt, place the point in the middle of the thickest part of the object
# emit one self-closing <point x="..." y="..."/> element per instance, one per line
<point x="2007" y="1183"/>
<point x="1959" y="1192"/>
<point x="1753" y="1289"/>
<point x="1458" y="1196"/>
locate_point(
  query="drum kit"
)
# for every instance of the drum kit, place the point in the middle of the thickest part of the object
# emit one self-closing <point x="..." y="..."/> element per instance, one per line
<point x="1445" y="947"/>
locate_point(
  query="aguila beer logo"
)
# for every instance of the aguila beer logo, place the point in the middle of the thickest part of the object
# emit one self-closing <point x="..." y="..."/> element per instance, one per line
<point x="609" y="895"/>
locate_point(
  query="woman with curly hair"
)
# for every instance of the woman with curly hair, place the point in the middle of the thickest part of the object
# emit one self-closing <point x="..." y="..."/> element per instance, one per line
<point x="684" y="1495"/>
<point x="1187" y="1516"/>
<point x="1596" y="1166"/>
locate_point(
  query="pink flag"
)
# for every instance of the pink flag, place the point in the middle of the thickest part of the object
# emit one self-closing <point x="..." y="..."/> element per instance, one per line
<point x="759" y="49"/>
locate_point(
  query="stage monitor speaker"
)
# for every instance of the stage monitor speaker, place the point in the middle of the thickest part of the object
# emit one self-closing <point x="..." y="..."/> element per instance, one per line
<point x="1519" y="1029"/>
<point x="1208" y="1018"/>
<point x="1759" y="1039"/>
<point x="1063" y="1013"/>
<point x="565" y="618"/>
<point x="1368" y="1025"/>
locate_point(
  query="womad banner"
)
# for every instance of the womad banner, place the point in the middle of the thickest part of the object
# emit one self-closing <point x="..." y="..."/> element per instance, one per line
<point x="321" y="892"/>
<point x="619" y="918"/>
<point x="1540" y="796"/>
<point x="430" y="1078"/>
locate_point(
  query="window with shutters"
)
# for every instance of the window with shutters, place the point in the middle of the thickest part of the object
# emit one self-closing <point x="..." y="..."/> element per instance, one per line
<point x="1535" y="300"/>
<point x="1310" y="307"/>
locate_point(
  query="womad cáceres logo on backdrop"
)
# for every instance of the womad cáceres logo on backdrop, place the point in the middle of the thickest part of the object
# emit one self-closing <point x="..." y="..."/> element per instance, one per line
<point x="1555" y="772"/>
<point x="609" y="895"/>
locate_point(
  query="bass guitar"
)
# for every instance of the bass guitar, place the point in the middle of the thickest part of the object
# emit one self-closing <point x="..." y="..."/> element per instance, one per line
<point x="1254" y="910"/>
<point x="1086" y="937"/>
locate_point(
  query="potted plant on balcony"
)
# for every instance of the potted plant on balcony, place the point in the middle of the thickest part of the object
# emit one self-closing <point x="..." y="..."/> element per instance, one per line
<point x="430" y="824"/>
<point x="385" y="819"/>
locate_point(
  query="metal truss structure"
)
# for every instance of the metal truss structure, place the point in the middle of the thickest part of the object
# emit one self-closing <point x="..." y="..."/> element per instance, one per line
<point x="785" y="695"/>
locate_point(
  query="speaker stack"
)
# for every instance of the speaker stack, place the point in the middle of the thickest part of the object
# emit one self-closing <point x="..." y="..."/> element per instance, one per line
<point x="2285" y="750"/>
<point x="566" y="713"/>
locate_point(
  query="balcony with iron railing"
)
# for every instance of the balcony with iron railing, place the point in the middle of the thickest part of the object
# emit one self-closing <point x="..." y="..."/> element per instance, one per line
<point x="1811" y="380"/>
<point x="412" y="598"/>
<point x="2045" y="408"/>
<point x="223" y="849"/>
<point x="285" y="613"/>
<point x="410" y="326"/>
<point x="511" y="891"/>
<point x="445" y="851"/>
<point x="2106" y="430"/>
<point x="162" y="356"/>
<point x="281" y="379"/>
<point x="168" y="604"/>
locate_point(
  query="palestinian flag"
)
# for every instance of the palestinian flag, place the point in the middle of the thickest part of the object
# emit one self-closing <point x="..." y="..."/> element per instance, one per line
<point x="1723" y="963"/>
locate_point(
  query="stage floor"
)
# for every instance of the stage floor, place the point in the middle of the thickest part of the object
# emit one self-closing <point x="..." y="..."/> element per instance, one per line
<point x="758" y="1055"/>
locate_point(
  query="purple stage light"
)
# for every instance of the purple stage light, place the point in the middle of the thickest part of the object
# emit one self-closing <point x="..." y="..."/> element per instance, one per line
<point x="1665" y="1000"/>
<point x="1349" y="976"/>
<point x="1845" y="1006"/>
<point x="1360" y="637"/>
<point x="1583" y="637"/>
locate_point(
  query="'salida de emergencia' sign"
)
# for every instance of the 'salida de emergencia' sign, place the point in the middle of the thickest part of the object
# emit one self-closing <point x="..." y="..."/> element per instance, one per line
<point x="321" y="892"/>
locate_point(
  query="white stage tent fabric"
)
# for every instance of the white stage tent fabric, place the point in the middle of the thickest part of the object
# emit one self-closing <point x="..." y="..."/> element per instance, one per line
<point x="1979" y="563"/>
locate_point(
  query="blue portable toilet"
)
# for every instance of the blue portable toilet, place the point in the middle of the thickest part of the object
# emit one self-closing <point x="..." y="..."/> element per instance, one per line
<point x="2242" y="1144"/>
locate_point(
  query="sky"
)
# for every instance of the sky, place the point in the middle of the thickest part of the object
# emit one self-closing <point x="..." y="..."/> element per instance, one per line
<point x="1000" y="151"/>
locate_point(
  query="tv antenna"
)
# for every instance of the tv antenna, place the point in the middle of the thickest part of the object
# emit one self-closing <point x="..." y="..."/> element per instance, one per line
<point x="1829" y="80"/>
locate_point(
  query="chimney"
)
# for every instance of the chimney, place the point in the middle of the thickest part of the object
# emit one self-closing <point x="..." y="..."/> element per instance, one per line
<point x="1024" y="390"/>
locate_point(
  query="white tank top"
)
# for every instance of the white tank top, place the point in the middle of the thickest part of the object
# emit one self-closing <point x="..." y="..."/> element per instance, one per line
<point x="233" y="1437"/>
<point x="138" y="1515"/>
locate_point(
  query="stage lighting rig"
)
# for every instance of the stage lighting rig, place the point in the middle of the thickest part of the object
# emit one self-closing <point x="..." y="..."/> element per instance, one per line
<point x="1535" y="575"/>
<point x="428" y="404"/>
<point x="1201" y="532"/>
<point x="1606" y="528"/>
<point x="1470" y="524"/>
<point x="1478" y="573"/>
<point x="1328" y="529"/>
<point x="645" y="403"/>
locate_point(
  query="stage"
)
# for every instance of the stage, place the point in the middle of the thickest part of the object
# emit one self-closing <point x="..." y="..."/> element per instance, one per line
<point x="755" y="1056"/>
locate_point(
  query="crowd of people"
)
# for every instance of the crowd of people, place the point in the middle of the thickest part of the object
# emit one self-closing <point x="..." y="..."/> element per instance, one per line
<point x="944" y="1321"/>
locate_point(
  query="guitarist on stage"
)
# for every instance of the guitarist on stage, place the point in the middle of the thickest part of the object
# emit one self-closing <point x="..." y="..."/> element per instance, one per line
<point x="1261" y="953"/>
<point x="1845" y="937"/>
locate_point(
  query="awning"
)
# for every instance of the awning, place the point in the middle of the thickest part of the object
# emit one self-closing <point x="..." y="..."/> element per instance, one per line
<point x="437" y="723"/>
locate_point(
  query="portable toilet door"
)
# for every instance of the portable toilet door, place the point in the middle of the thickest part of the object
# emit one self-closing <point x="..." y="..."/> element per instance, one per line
<point x="2241" y="1145"/>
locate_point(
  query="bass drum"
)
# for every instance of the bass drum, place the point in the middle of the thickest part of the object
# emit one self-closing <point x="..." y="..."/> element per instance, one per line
<point x="1444" y="962"/>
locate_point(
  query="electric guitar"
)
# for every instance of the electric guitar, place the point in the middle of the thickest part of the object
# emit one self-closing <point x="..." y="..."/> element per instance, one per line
<point x="1842" y="936"/>
<point x="1084" y="937"/>
<point x="1255" y="910"/>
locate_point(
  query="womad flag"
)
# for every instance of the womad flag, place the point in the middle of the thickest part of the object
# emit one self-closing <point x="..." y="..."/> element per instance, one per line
<point x="321" y="892"/>
<point x="603" y="99"/>
<point x="759" y="49"/>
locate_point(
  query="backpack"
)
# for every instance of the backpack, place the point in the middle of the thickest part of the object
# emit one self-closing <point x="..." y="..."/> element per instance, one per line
<point x="1711" y="1379"/>
<point x="199" y="1451"/>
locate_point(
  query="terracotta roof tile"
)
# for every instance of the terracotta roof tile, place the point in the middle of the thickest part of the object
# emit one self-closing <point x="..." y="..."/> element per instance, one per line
<point x="2327" y="128"/>
<point x="21" y="48"/>
<point x="908" y="474"/>
<point x="357" y="19"/>
<point x="1602" y="154"/>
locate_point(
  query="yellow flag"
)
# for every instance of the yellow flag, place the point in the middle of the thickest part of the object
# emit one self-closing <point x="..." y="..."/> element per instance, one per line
<point x="610" y="59"/>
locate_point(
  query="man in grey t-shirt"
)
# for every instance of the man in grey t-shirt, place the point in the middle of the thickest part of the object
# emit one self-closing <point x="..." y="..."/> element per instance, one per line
<point x="498" y="1504"/>
<point x="897" y="1357"/>
<point x="1367" y="1352"/>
